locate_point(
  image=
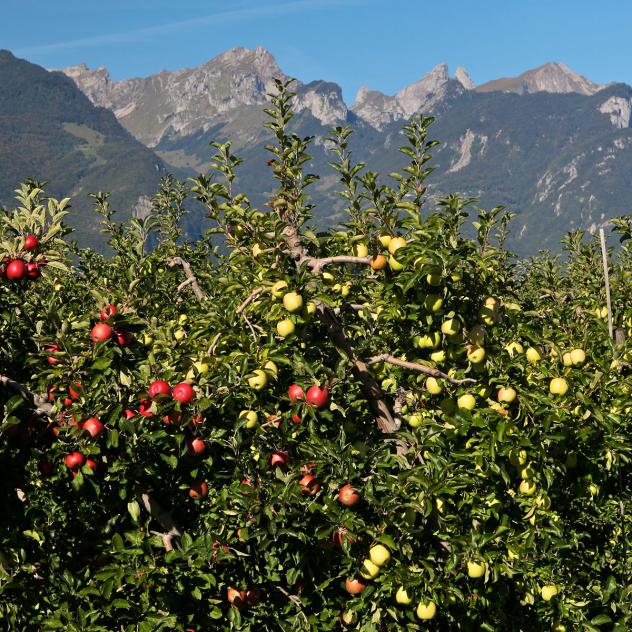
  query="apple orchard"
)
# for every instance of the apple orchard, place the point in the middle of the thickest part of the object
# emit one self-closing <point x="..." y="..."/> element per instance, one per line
<point x="393" y="425"/>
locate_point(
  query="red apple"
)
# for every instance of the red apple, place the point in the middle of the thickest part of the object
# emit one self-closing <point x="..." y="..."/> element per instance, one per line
<point x="253" y="596"/>
<point x="159" y="389"/>
<point x="348" y="496"/>
<point x="15" y="270"/>
<point x="52" y="348"/>
<point x="101" y="332"/>
<point x="129" y="413"/>
<point x="172" y="418"/>
<point x="144" y="407"/>
<point x="237" y="598"/>
<point x="75" y="390"/>
<point x="183" y="393"/>
<point x="124" y="338"/>
<point x="279" y="459"/>
<point x="30" y="242"/>
<point x="196" y="445"/>
<point x="92" y="464"/>
<point x="74" y="459"/>
<point x="317" y="396"/>
<point x="295" y="392"/>
<point x="32" y="271"/>
<point x="197" y="420"/>
<point x="309" y="484"/>
<point x="296" y="419"/>
<point x="354" y="586"/>
<point x="93" y="427"/>
<point x="108" y="311"/>
<point x="68" y="401"/>
<point x="198" y="490"/>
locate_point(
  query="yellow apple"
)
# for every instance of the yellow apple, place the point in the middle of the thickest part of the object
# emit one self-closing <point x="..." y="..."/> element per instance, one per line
<point x="548" y="592"/>
<point x="433" y="386"/>
<point x="476" y="355"/>
<point x="415" y="419"/>
<point x="402" y="597"/>
<point x="395" y="244"/>
<point x="518" y="457"/>
<point x="385" y="240"/>
<point x="527" y="487"/>
<point x="197" y="368"/>
<point x="558" y="386"/>
<point x="271" y="368"/>
<point x="533" y="355"/>
<point x="285" y="328"/>
<point x="438" y="356"/>
<point x="395" y="265"/>
<point x="179" y="334"/>
<point x="256" y="250"/>
<point x="379" y="554"/>
<point x="578" y="356"/>
<point x="566" y="359"/>
<point x="477" y="335"/>
<point x="476" y="570"/>
<point x="433" y="303"/>
<point x="427" y="610"/>
<point x="506" y="394"/>
<point x="292" y="301"/>
<point x="250" y="417"/>
<point x="466" y="402"/>
<point x="278" y="289"/>
<point x="527" y="472"/>
<point x="429" y="341"/>
<point x="433" y="278"/>
<point x="450" y="327"/>
<point x="361" y="250"/>
<point x="258" y="380"/>
<point x="513" y="348"/>
<point x="369" y="570"/>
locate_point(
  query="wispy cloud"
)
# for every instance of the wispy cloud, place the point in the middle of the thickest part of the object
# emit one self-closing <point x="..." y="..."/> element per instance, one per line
<point x="224" y="17"/>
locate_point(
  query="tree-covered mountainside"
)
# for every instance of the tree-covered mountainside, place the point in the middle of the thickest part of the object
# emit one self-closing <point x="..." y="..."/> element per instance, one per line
<point x="49" y="130"/>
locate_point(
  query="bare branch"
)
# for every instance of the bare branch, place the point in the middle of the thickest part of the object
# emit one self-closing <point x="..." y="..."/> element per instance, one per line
<point x="163" y="518"/>
<point x="251" y="297"/>
<point x="41" y="407"/>
<point x="295" y="600"/>
<point x="191" y="278"/>
<point x="318" y="264"/>
<point x="415" y="366"/>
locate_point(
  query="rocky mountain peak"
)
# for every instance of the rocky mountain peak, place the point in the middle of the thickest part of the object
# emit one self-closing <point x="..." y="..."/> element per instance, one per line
<point x="550" y="77"/>
<point x="463" y="77"/>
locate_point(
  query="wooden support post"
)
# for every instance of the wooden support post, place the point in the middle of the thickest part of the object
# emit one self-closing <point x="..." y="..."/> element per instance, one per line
<point x="606" y="275"/>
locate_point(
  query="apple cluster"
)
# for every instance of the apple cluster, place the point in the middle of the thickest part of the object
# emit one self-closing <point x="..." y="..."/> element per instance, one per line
<point x="17" y="268"/>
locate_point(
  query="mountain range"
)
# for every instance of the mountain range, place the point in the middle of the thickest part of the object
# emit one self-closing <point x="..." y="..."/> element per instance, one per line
<point x="550" y="144"/>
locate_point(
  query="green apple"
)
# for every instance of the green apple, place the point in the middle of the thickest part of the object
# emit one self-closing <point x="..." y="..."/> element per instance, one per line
<point x="426" y="610"/>
<point x="197" y="368"/>
<point x="429" y="341"/>
<point x="402" y="597"/>
<point x="379" y="554"/>
<point x="250" y="417"/>
<point x="258" y="380"/>
<point x="514" y="347"/>
<point x="518" y="457"/>
<point x="475" y="570"/>
<point x="395" y="265"/>
<point x="433" y="386"/>
<point x="285" y="328"/>
<point x="558" y="386"/>
<point x="433" y="278"/>
<point x="477" y="335"/>
<point x="292" y="301"/>
<point x="415" y="419"/>
<point x="466" y="401"/>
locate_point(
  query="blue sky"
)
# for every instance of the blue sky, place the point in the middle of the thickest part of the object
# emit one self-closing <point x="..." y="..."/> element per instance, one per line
<point x="385" y="44"/>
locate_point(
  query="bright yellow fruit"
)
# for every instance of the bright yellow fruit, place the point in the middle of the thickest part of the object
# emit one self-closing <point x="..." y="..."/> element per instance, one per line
<point x="438" y="356"/>
<point x="476" y="355"/>
<point x="433" y="303"/>
<point x="385" y="240"/>
<point x="506" y="394"/>
<point x="361" y="250"/>
<point x="466" y="402"/>
<point x="369" y="570"/>
<point x="395" y="265"/>
<point x="379" y="554"/>
<point x="476" y="569"/>
<point x="292" y="301"/>
<point x="179" y="334"/>
<point x="250" y="417"/>
<point x="533" y="355"/>
<point x="558" y="386"/>
<point x="395" y="244"/>
<point x="513" y="348"/>
<point x="278" y="289"/>
<point x="433" y="386"/>
<point x="548" y="592"/>
<point x="578" y="356"/>
<point x="450" y="327"/>
<point x="271" y="368"/>
<point x="258" y="380"/>
<point x="426" y="610"/>
<point x="429" y="341"/>
<point x="527" y="488"/>
<point x="285" y="328"/>
<point x="402" y="597"/>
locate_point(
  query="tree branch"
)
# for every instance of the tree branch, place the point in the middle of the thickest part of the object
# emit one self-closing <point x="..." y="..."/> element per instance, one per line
<point x="318" y="264"/>
<point x="191" y="278"/>
<point x="163" y="517"/>
<point x="41" y="407"/>
<point x="415" y="366"/>
<point x="251" y="297"/>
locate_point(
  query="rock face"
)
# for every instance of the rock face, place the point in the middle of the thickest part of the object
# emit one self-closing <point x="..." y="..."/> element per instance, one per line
<point x="552" y="77"/>
<point x="379" y="110"/>
<point x="619" y="109"/>
<point x="324" y="100"/>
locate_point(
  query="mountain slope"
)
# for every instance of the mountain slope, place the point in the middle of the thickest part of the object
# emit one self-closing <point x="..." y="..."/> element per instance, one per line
<point x="553" y="146"/>
<point x="50" y="131"/>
